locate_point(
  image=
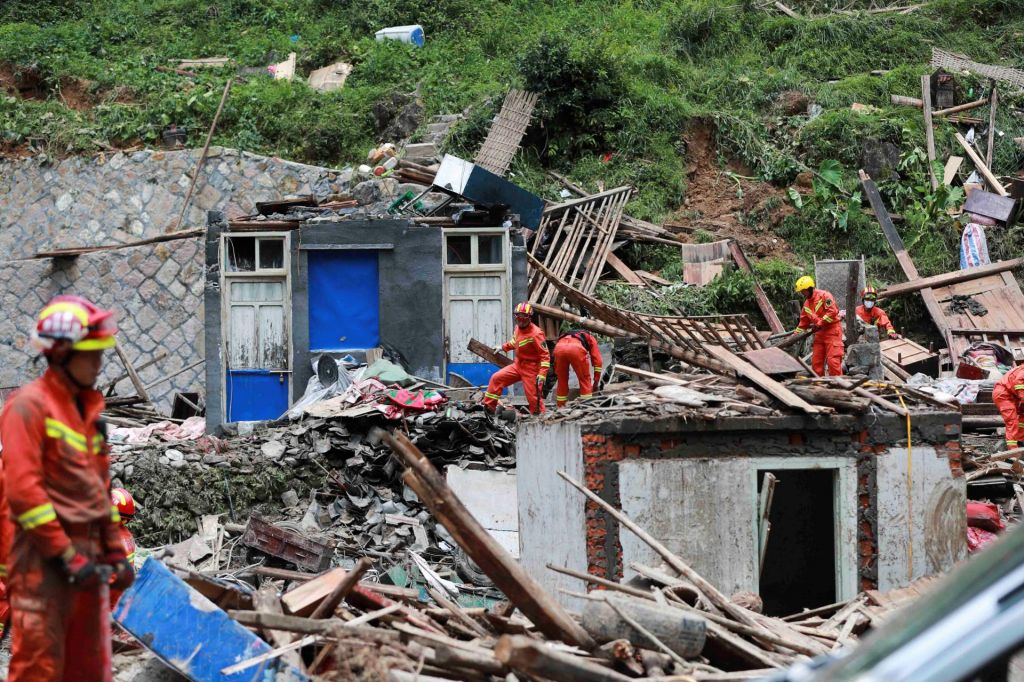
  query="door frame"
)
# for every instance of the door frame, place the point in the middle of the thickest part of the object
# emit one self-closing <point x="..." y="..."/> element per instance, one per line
<point x="283" y="274"/>
<point x="844" y="515"/>
<point x="504" y="268"/>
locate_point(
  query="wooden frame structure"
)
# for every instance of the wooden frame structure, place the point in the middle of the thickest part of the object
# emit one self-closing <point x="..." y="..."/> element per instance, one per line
<point x="507" y="130"/>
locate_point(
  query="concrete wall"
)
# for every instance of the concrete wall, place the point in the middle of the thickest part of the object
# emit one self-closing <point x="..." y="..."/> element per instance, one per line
<point x="155" y="289"/>
<point x="113" y="199"/>
<point x="692" y="484"/>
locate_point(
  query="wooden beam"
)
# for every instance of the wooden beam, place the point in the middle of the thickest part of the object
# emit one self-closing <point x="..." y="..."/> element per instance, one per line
<point x="903" y="100"/>
<point x="961" y="107"/>
<point x="994" y="99"/>
<point x="132" y="374"/>
<point x="953" y="164"/>
<point x="931" y="301"/>
<point x="948" y="278"/>
<point x="624" y="271"/>
<point x="487" y="353"/>
<point x="762" y="380"/>
<point x="538" y="660"/>
<point x="766" y="307"/>
<point x="929" y="132"/>
<point x="982" y="168"/>
<point x="508" y="575"/>
<point x="340" y="591"/>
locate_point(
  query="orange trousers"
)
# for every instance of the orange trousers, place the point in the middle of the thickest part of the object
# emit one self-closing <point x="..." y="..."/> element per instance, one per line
<point x="1007" y="406"/>
<point x="507" y="376"/>
<point x="569" y="352"/>
<point x="55" y="630"/>
<point x="827" y="351"/>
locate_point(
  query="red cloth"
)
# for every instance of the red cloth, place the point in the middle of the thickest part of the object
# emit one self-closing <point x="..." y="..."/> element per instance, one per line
<point x="532" y="360"/>
<point x="877" y="317"/>
<point x="978" y="538"/>
<point x="821" y="313"/>
<point x="984" y="515"/>
<point x="1008" y="396"/>
<point x="570" y="352"/>
<point x="128" y="543"/>
<point x="56" y="470"/>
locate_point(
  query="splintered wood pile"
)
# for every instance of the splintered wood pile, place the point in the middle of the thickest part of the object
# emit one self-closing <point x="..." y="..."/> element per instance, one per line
<point x="672" y="625"/>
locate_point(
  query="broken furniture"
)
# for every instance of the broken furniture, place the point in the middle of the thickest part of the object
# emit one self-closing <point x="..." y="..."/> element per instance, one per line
<point x="285" y="544"/>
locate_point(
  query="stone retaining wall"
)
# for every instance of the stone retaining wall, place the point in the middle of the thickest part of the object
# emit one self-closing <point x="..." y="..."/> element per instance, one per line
<point x="119" y="198"/>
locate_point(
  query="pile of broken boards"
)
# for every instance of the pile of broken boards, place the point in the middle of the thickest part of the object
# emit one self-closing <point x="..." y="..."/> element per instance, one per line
<point x="668" y="623"/>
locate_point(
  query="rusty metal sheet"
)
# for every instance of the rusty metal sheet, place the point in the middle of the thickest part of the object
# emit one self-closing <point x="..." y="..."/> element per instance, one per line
<point x="311" y="555"/>
<point x="1002" y="209"/>
<point x="772" y="361"/>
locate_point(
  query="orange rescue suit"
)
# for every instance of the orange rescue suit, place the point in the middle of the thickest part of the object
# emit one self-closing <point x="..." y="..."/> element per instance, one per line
<point x="56" y="468"/>
<point x="821" y="314"/>
<point x="877" y="317"/>
<point x="574" y="350"/>
<point x="532" y="360"/>
<point x="1008" y="396"/>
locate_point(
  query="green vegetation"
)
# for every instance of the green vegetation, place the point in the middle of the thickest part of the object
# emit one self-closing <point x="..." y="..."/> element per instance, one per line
<point x="620" y="82"/>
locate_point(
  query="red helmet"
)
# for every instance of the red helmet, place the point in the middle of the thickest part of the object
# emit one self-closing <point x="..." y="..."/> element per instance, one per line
<point x="124" y="503"/>
<point x="524" y="308"/>
<point x="869" y="292"/>
<point x="75" y="319"/>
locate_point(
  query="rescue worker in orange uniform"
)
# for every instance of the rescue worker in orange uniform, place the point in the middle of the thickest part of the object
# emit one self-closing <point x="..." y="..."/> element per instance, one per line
<point x="870" y="313"/>
<point x="578" y="350"/>
<point x="1008" y="395"/>
<point x="531" y="365"/>
<point x="66" y="532"/>
<point x="125" y="504"/>
<point x="821" y="314"/>
<point x="5" y="549"/>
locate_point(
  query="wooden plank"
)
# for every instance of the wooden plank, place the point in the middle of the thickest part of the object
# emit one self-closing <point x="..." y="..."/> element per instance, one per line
<point x="961" y="107"/>
<point x="950" y="278"/>
<point x="926" y="106"/>
<point x="140" y="389"/>
<point x="902" y="257"/>
<point x="764" y="507"/>
<point x="994" y="102"/>
<point x="766" y="307"/>
<point x="329" y="603"/>
<point x="1000" y="208"/>
<point x="953" y="164"/>
<point x="624" y="271"/>
<point x="983" y="169"/>
<point x="772" y="361"/>
<point x="301" y="600"/>
<point x="508" y="575"/>
<point x="265" y="600"/>
<point x="488" y="354"/>
<point x="539" y="660"/>
<point x="762" y="380"/>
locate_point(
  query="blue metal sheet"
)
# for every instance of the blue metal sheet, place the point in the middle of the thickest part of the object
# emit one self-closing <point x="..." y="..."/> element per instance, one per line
<point x="255" y="395"/>
<point x="190" y="634"/>
<point x="344" y="300"/>
<point x="479" y="373"/>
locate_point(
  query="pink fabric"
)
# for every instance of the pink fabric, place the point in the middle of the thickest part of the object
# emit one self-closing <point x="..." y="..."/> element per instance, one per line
<point x="978" y="538"/>
<point x="192" y="428"/>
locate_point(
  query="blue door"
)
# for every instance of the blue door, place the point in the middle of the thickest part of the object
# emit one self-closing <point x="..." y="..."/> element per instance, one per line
<point x="257" y="381"/>
<point x="344" y="300"/>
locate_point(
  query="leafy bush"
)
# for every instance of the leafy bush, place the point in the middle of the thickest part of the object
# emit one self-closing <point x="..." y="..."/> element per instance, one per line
<point x="704" y="29"/>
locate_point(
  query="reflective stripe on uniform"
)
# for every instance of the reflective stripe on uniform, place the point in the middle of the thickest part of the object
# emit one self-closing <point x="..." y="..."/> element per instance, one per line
<point x="545" y="364"/>
<point x="37" y="516"/>
<point x="584" y="396"/>
<point x="827" y="319"/>
<point x="60" y="431"/>
<point x="808" y="310"/>
<point x="130" y="558"/>
<point x="115" y="515"/>
<point x="528" y="339"/>
<point x="491" y="395"/>
<point x="3" y="571"/>
<point x="97" y="444"/>
<point x="817" y="306"/>
<point x="1018" y="387"/>
<point x="597" y="370"/>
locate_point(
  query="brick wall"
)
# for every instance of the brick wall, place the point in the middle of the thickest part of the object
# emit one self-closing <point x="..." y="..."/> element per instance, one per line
<point x="155" y="289"/>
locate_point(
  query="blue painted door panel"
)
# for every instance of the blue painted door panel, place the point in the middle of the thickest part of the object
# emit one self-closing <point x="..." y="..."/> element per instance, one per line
<point x="479" y="373"/>
<point x="344" y="300"/>
<point x="255" y="395"/>
<point x="190" y="634"/>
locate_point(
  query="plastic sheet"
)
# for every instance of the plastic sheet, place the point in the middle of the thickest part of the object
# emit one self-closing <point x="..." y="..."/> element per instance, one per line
<point x="315" y="391"/>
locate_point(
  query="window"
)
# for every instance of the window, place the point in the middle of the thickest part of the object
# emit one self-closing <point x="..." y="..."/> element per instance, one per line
<point x="253" y="254"/>
<point x="475" y="249"/>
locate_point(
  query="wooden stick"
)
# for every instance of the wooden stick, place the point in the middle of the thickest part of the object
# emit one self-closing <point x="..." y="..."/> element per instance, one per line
<point x="994" y="102"/>
<point x="202" y="157"/>
<point x="536" y="659"/>
<point x="604" y="582"/>
<point x="457" y="613"/>
<point x="926" y="99"/>
<point x="709" y="590"/>
<point x="961" y="107"/>
<point x="487" y="353"/>
<point x="256" y="660"/>
<point x="136" y="382"/>
<point x="982" y="168"/>
<point x="121" y="377"/>
<point x="170" y="376"/>
<point x="632" y="622"/>
<point x="341" y="590"/>
<point x="948" y="278"/>
<point x="786" y="10"/>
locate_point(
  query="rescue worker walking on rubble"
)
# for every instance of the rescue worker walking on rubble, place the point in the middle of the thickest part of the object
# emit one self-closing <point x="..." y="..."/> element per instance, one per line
<point x="1008" y="396"/>
<point x="820" y="313"/>
<point x="869" y="313"/>
<point x="577" y="349"/>
<point x="531" y="365"/>
<point x="67" y="540"/>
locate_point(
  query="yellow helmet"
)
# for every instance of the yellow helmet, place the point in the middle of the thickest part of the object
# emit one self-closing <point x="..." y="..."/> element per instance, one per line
<point x="805" y="282"/>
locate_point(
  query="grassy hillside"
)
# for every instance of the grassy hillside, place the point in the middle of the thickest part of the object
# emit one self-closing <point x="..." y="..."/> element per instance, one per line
<point x="621" y="82"/>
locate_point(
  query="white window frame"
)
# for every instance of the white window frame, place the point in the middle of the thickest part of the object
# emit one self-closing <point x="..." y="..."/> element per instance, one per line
<point x="282" y="274"/>
<point x="504" y="268"/>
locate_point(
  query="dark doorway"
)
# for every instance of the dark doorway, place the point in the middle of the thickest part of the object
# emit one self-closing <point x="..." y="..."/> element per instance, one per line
<point x="799" y="565"/>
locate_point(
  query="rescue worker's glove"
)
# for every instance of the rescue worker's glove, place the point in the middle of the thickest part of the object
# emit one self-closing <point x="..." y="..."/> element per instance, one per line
<point x="78" y="570"/>
<point x="124" y="573"/>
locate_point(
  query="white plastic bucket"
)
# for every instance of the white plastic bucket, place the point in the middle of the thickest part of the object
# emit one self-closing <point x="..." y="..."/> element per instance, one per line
<point x="407" y="34"/>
